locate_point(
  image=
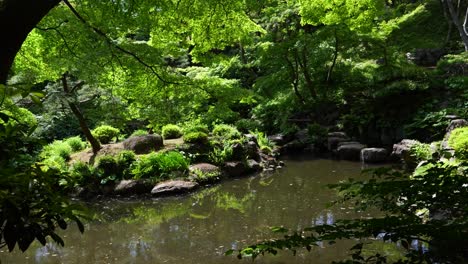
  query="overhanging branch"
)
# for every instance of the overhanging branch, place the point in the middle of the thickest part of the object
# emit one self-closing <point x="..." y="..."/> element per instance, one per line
<point x="116" y="46"/>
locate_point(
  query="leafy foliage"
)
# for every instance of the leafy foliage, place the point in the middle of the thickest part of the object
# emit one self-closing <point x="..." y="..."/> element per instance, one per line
<point x="226" y="131"/>
<point x="159" y="166"/>
<point x="459" y="142"/>
<point x="75" y="143"/>
<point x="105" y="133"/>
<point x="196" y="138"/>
<point x="171" y="131"/>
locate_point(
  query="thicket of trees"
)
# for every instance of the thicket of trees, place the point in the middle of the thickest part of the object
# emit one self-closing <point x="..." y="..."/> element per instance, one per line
<point x="368" y="67"/>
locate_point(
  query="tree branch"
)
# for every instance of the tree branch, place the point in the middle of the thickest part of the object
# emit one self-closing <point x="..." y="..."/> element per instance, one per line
<point x="111" y="43"/>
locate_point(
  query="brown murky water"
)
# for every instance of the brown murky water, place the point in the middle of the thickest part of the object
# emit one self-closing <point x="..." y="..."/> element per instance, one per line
<point x="200" y="227"/>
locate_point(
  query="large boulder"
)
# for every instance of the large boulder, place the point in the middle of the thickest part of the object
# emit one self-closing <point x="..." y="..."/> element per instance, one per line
<point x="295" y="146"/>
<point x="453" y="125"/>
<point x="401" y="150"/>
<point x="252" y="150"/>
<point x="132" y="187"/>
<point x="374" y="155"/>
<point x="173" y="186"/>
<point x="425" y="57"/>
<point x="334" y="138"/>
<point x="349" y="150"/>
<point x="144" y="144"/>
<point x="278" y="139"/>
<point x="302" y="135"/>
<point x="204" y="167"/>
<point x="253" y="166"/>
<point x="234" y="168"/>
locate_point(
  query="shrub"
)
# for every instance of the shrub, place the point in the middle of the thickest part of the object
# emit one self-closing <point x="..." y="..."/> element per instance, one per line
<point x="171" y="161"/>
<point x="221" y="154"/>
<point x="265" y="144"/>
<point x="246" y="125"/>
<point x="458" y="140"/>
<point x="108" y="165"/>
<point x="197" y="128"/>
<point x="139" y="132"/>
<point x="171" y="131"/>
<point x="226" y="131"/>
<point x="421" y="152"/>
<point x="124" y="161"/>
<point x="317" y="133"/>
<point x="75" y="143"/>
<point x="159" y="165"/>
<point x="84" y="174"/>
<point x="57" y="148"/>
<point x="105" y="133"/>
<point x="196" y="137"/>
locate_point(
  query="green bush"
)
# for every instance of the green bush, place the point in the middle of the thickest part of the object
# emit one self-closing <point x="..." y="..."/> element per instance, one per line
<point x="84" y="174"/>
<point x="57" y="148"/>
<point x="317" y="133"/>
<point x="105" y="133"/>
<point x="171" y="131"/>
<point x="75" y="143"/>
<point x="196" y="137"/>
<point x="458" y="140"/>
<point x="171" y="161"/>
<point x="265" y="144"/>
<point x="221" y="154"/>
<point x="159" y="165"/>
<point x="421" y="152"/>
<point x="196" y="128"/>
<point x="226" y="131"/>
<point x="246" y="125"/>
<point x="108" y="165"/>
<point x="139" y="132"/>
<point x="124" y="161"/>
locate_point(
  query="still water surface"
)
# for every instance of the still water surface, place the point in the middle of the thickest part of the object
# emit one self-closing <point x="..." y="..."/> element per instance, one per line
<point x="200" y="227"/>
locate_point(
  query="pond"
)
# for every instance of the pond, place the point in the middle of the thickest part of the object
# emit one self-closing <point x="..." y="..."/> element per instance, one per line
<point x="200" y="227"/>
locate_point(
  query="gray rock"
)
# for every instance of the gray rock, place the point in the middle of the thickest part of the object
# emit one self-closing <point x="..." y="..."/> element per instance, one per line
<point x="252" y="151"/>
<point x="351" y="151"/>
<point x="302" y="135"/>
<point x="294" y="146"/>
<point x="251" y="138"/>
<point x="253" y="165"/>
<point x="238" y="151"/>
<point x="173" y="186"/>
<point x="401" y="149"/>
<point x="234" y="168"/>
<point x="144" y="144"/>
<point x="453" y="125"/>
<point x="338" y="134"/>
<point x="374" y="155"/>
<point x="425" y="57"/>
<point x="278" y="139"/>
<point x="205" y="168"/>
<point x="130" y="187"/>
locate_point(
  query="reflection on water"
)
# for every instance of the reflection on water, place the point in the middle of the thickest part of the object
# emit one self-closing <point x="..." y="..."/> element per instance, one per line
<point x="200" y="227"/>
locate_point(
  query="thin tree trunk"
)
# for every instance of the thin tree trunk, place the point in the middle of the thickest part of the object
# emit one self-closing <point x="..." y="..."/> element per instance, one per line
<point x="17" y="19"/>
<point x="83" y="125"/>
<point x="305" y="71"/>
<point x="295" y="77"/>
<point x="458" y="24"/>
<point x="335" y="56"/>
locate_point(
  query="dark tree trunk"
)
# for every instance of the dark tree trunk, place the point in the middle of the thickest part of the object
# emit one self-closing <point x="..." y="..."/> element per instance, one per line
<point x="83" y="125"/>
<point x="17" y="19"/>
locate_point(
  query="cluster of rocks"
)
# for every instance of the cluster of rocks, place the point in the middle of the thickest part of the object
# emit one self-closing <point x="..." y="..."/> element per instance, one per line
<point x="246" y="158"/>
<point x="402" y="150"/>
<point x="338" y="144"/>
